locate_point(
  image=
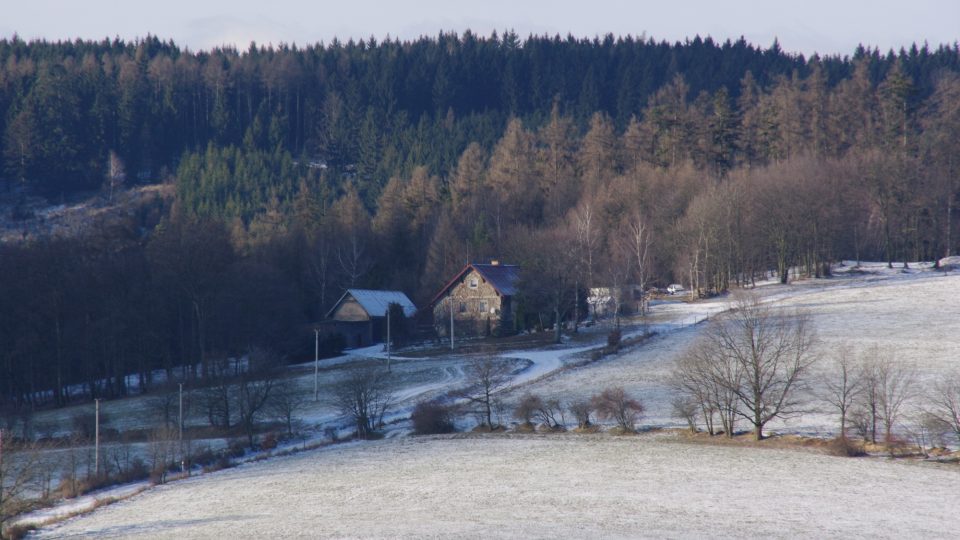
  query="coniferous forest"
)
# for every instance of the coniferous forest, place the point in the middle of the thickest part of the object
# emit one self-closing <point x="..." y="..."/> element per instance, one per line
<point x="297" y="172"/>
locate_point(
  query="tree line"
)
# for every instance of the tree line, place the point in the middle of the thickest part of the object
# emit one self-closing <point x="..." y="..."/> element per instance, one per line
<point x="377" y="108"/>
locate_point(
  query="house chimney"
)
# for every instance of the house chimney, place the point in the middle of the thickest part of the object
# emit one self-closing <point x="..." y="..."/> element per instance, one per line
<point x="494" y="262"/>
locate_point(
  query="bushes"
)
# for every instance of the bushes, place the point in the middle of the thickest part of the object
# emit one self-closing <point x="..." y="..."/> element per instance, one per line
<point x="431" y="417"/>
<point x="615" y="404"/>
<point x="269" y="441"/>
<point x="526" y="409"/>
<point x="844" y="447"/>
<point x="581" y="410"/>
<point x="613" y="339"/>
<point x="550" y="414"/>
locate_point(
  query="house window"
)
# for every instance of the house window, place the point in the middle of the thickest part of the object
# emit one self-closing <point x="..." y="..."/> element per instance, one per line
<point x="483" y="306"/>
<point x="473" y="283"/>
<point x="463" y="307"/>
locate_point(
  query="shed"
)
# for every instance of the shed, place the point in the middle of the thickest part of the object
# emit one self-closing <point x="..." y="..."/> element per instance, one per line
<point x="360" y="315"/>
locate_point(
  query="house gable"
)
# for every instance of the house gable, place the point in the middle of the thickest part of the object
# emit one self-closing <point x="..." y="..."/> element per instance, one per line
<point x="501" y="278"/>
<point x="480" y="298"/>
<point x="349" y="310"/>
<point x="364" y="305"/>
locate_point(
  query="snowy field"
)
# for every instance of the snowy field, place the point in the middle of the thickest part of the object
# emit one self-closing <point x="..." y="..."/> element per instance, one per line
<point x="575" y="485"/>
<point x="565" y="486"/>
<point x="912" y="315"/>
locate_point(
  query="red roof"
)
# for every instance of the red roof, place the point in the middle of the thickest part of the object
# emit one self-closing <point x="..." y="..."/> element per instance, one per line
<point x="502" y="277"/>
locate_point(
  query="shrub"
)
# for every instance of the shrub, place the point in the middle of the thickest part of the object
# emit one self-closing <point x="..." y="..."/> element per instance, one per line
<point x="137" y="470"/>
<point x="222" y="462"/>
<point x="236" y="449"/>
<point x="203" y="456"/>
<point x="615" y="404"/>
<point x="613" y="339"/>
<point x="430" y="417"/>
<point x="844" y="447"/>
<point x="550" y="414"/>
<point x="269" y="441"/>
<point x="527" y="408"/>
<point x="18" y="532"/>
<point x="581" y="410"/>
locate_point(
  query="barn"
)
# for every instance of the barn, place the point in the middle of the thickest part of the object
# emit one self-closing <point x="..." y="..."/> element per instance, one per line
<point x="360" y="315"/>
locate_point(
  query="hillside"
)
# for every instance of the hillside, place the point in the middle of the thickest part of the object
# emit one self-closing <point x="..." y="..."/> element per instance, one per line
<point x="26" y="218"/>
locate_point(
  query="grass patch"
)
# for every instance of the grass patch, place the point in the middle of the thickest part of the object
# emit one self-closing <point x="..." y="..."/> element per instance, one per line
<point x="844" y="447"/>
<point x="525" y="427"/>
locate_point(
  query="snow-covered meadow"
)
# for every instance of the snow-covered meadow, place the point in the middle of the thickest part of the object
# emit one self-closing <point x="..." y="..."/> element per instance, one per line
<point x="523" y="486"/>
<point x="541" y="487"/>
<point x="911" y="314"/>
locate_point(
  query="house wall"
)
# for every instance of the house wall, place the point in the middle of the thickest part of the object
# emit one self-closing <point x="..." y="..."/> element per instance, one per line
<point x="476" y="311"/>
<point x="350" y="310"/>
<point x="355" y="334"/>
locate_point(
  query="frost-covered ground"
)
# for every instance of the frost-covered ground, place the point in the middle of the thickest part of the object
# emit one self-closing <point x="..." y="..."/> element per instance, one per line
<point x="911" y="314"/>
<point x="564" y="486"/>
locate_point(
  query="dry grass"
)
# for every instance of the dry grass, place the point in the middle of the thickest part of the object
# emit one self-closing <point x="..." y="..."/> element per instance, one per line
<point x="525" y="427"/>
<point x="834" y="447"/>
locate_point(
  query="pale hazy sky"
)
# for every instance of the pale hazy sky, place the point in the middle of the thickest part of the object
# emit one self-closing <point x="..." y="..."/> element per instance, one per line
<point x="806" y="26"/>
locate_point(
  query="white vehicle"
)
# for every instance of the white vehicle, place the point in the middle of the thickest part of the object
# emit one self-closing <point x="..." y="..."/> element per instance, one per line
<point x="675" y="288"/>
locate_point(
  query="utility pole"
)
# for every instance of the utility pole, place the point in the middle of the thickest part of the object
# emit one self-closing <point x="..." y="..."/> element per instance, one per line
<point x="316" y="364"/>
<point x="183" y="465"/>
<point x="388" y="338"/>
<point x="96" y="438"/>
<point x="451" y="323"/>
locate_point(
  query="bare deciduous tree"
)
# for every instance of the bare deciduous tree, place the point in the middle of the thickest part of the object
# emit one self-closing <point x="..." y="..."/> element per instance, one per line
<point x="285" y="401"/>
<point x="162" y="450"/>
<point x="165" y="406"/>
<point x="485" y="377"/>
<point x="550" y="414"/>
<point x="217" y="401"/>
<point x="772" y="355"/>
<point x="894" y="384"/>
<point x="707" y="380"/>
<point x="842" y="386"/>
<point x="687" y="408"/>
<point x="364" y="396"/>
<point x="253" y="395"/>
<point x="20" y="479"/>
<point x="640" y="239"/>
<point x="116" y="173"/>
<point x="946" y="402"/>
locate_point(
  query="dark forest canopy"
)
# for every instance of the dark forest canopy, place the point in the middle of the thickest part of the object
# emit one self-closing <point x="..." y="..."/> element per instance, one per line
<point x="303" y="171"/>
<point x="383" y="107"/>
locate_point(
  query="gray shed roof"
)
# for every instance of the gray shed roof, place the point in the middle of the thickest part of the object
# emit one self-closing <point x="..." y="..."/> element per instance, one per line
<point x="375" y="303"/>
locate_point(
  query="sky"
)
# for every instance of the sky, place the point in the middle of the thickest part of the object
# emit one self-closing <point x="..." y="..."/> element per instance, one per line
<point x="827" y="27"/>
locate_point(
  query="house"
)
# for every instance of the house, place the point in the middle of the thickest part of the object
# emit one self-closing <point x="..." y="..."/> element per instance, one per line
<point x="481" y="297"/>
<point x="603" y="301"/>
<point x="360" y="315"/>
